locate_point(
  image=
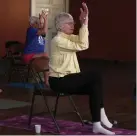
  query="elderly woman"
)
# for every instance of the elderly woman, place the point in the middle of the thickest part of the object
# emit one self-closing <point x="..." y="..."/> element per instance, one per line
<point x="65" y="75"/>
<point x="35" y="42"/>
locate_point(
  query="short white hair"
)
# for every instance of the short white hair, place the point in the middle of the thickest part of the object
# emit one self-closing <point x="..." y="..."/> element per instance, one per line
<point x="33" y="20"/>
<point x="62" y="18"/>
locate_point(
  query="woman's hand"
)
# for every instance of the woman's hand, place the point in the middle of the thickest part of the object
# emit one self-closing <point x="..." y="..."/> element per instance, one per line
<point x="43" y="15"/>
<point x="84" y="14"/>
<point x="43" y="23"/>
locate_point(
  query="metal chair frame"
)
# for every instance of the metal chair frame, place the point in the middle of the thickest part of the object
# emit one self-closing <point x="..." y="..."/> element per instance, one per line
<point x="38" y="90"/>
<point x="15" y="58"/>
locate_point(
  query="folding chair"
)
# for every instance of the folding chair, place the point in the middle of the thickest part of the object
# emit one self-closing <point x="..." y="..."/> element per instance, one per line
<point x="14" y="54"/>
<point x="37" y="66"/>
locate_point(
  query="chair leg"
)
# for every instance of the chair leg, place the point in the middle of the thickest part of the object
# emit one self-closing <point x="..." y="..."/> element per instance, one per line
<point x="28" y="73"/>
<point x="10" y="74"/>
<point x="76" y="110"/>
<point x="23" y="79"/>
<point x="53" y="118"/>
<point x="31" y="110"/>
<point x="46" y="102"/>
<point x="56" y="106"/>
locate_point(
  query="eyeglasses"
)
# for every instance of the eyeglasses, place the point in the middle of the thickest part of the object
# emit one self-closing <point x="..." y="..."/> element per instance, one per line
<point x="70" y="23"/>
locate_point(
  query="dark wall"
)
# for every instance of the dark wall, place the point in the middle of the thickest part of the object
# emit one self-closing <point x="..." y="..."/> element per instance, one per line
<point x="14" y="15"/>
<point x="112" y="27"/>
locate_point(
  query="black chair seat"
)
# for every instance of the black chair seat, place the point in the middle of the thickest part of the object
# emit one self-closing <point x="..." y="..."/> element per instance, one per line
<point x="21" y="64"/>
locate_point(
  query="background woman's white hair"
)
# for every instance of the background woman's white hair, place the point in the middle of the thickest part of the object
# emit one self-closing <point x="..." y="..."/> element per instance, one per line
<point x="62" y="18"/>
<point x="33" y="20"/>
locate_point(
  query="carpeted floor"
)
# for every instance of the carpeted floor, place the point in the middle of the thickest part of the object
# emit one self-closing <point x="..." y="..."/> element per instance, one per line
<point x="10" y="104"/>
<point x="20" y="85"/>
<point x="66" y="127"/>
<point x="24" y="85"/>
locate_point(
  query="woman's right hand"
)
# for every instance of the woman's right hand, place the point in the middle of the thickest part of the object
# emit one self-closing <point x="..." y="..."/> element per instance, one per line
<point x="84" y="14"/>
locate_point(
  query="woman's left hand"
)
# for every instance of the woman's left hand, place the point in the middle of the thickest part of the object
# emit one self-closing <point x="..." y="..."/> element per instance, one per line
<point x="44" y="14"/>
<point x="84" y="14"/>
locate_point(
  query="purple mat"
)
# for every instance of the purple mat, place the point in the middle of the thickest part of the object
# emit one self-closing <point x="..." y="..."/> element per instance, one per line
<point x="66" y="127"/>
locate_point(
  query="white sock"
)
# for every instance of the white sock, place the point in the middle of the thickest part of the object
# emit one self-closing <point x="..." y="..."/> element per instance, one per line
<point x="97" y="128"/>
<point x="104" y="119"/>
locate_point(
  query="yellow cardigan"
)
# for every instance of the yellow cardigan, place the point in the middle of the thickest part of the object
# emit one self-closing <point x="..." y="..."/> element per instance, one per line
<point x="62" y="55"/>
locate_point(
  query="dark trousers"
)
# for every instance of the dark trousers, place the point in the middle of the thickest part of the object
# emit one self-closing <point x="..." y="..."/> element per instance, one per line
<point x="84" y="83"/>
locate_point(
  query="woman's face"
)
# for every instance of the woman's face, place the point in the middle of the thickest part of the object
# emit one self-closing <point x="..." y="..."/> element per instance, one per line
<point x="35" y="25"/>
<point x="68" y="26"/>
